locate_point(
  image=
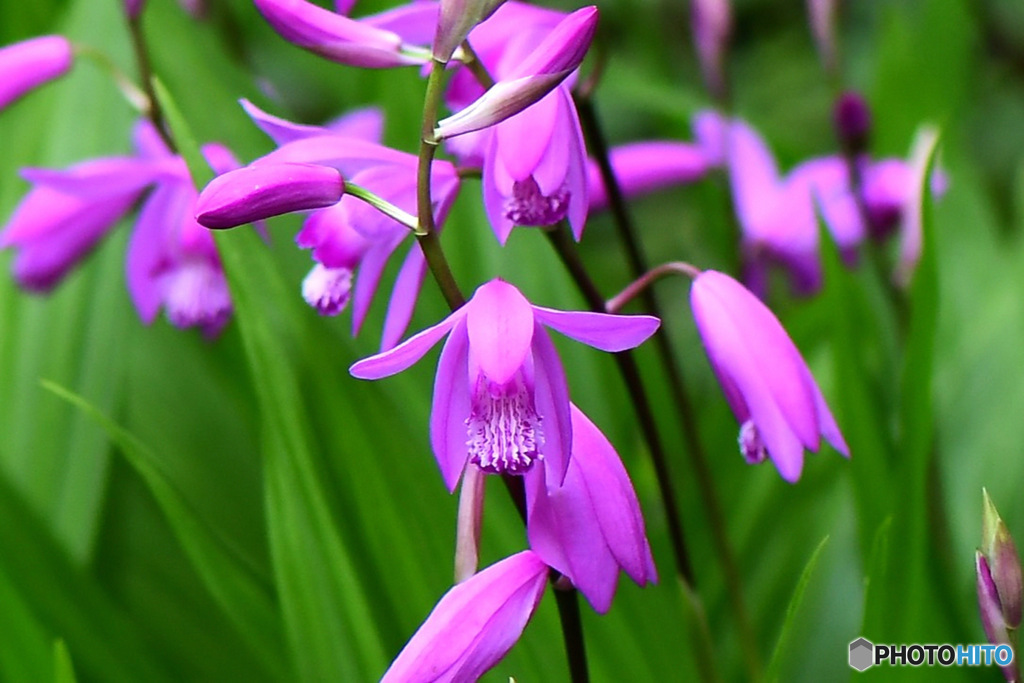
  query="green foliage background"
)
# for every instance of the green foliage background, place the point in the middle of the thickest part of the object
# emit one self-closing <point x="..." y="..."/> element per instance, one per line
<point x="243" y="509"/>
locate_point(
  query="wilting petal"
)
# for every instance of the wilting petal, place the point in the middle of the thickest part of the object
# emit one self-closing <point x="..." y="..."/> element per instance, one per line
<point x="601" y="330"/>
<point x="551" y="395"/>
<point x="334" y="36"/>
<point x="451" y="406"/>
<point x="474" y="625"/>
<point x="257" y="192"/>
<point x="405" y="354"/>
<point x="500" y="326"/>
<point x="643" y="167"/>
<point x="30" y="63"/>
<point x="547" y="66"/>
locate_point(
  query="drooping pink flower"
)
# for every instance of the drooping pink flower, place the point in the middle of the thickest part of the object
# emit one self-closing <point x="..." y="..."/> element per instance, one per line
<point x="591" y="526"/>
<point x="501" y="400"/>
<point x="474" y="625"/>
<point x="765" y="380"/>
<point x="172" y="262"/>
<point x="29" y="64"/>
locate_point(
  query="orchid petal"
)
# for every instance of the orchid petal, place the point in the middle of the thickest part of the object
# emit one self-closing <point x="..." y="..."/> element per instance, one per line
<point x="474" y="625"/>
<point x="643" y="167"/>
<point x="407" y="287"/>
<point x="29" y="64"/>
<point x="500" y="327"/>
<point x="551" y="396"/>
<point x="371" y="269"/>
<point x="451" y="406"/>
<point x="603" y="331"/>
<point x="405" y="354"/>
<point x="334" y="36"/>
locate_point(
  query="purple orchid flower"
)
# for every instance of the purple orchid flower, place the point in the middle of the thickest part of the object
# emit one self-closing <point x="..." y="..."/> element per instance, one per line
<point x="643" y="167"/>
<point x="474" y="625"/>
<point x="172" y="262"/>
<point x="534" y="163"/>
<point x="501" y="400"/>
<point x="350" y="235"/>
<point x="591" y="526"/>
<point x="29" y="64"/>
<point x="767" y="383"/>
<point x="778" y="214"/>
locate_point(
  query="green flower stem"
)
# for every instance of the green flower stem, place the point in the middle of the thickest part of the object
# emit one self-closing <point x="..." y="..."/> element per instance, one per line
<point x="426" y="234"/>
<point x="677" y="385"/>
<point x="132" y="93"/>
<point x="382" y="205"/>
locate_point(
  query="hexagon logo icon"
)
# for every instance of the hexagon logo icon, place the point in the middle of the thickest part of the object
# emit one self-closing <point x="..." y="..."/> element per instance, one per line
<point x="861" y="654"/>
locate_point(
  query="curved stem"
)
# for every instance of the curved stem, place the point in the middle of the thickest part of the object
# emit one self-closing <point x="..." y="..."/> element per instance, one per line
<point x="677" y="385"/>
<point x="426" y="232"/>
<point x="153" y="111"/>
<point x="640" y="285"/>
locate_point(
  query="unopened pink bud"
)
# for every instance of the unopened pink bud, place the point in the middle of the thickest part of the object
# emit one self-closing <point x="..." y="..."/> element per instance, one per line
<point x="255" y="192"/>
<point x="712" y="25"/>
<point x="31" y="63"/>
<point x="852" y="119"/>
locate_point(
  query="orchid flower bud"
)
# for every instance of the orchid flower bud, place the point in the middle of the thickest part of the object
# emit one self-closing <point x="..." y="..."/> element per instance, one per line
<point x="254" y="192"/>
<point x="26" y="65"/>
<point x="458" y="18"/>
<point x="852" y="118"/>
<point x="999" y="583"/>
<point x="549" y="64"/>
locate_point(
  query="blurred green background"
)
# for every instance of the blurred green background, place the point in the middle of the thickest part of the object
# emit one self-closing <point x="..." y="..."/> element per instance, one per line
<point x="260" y="515"/>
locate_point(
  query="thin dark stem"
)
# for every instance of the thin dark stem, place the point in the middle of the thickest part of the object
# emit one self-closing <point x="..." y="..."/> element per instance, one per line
<point x="677" y="386"/>
<point x="560" y="240"/>
<point x="572" y="630"/>
<point x="153" y="111"/>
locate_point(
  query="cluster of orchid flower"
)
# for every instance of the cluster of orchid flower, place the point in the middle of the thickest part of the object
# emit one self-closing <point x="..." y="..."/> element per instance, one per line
<point x="501" y="403"/>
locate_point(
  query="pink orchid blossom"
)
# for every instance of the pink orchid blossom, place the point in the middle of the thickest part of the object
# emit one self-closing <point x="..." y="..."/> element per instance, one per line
<point x="591" y="526"/>
<point x="767" y="383"/>
<point x="172" y="262"/>
<point x="474" y="625"/>
<point x="501" y="400"/>
<point x="643" y="167"/>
